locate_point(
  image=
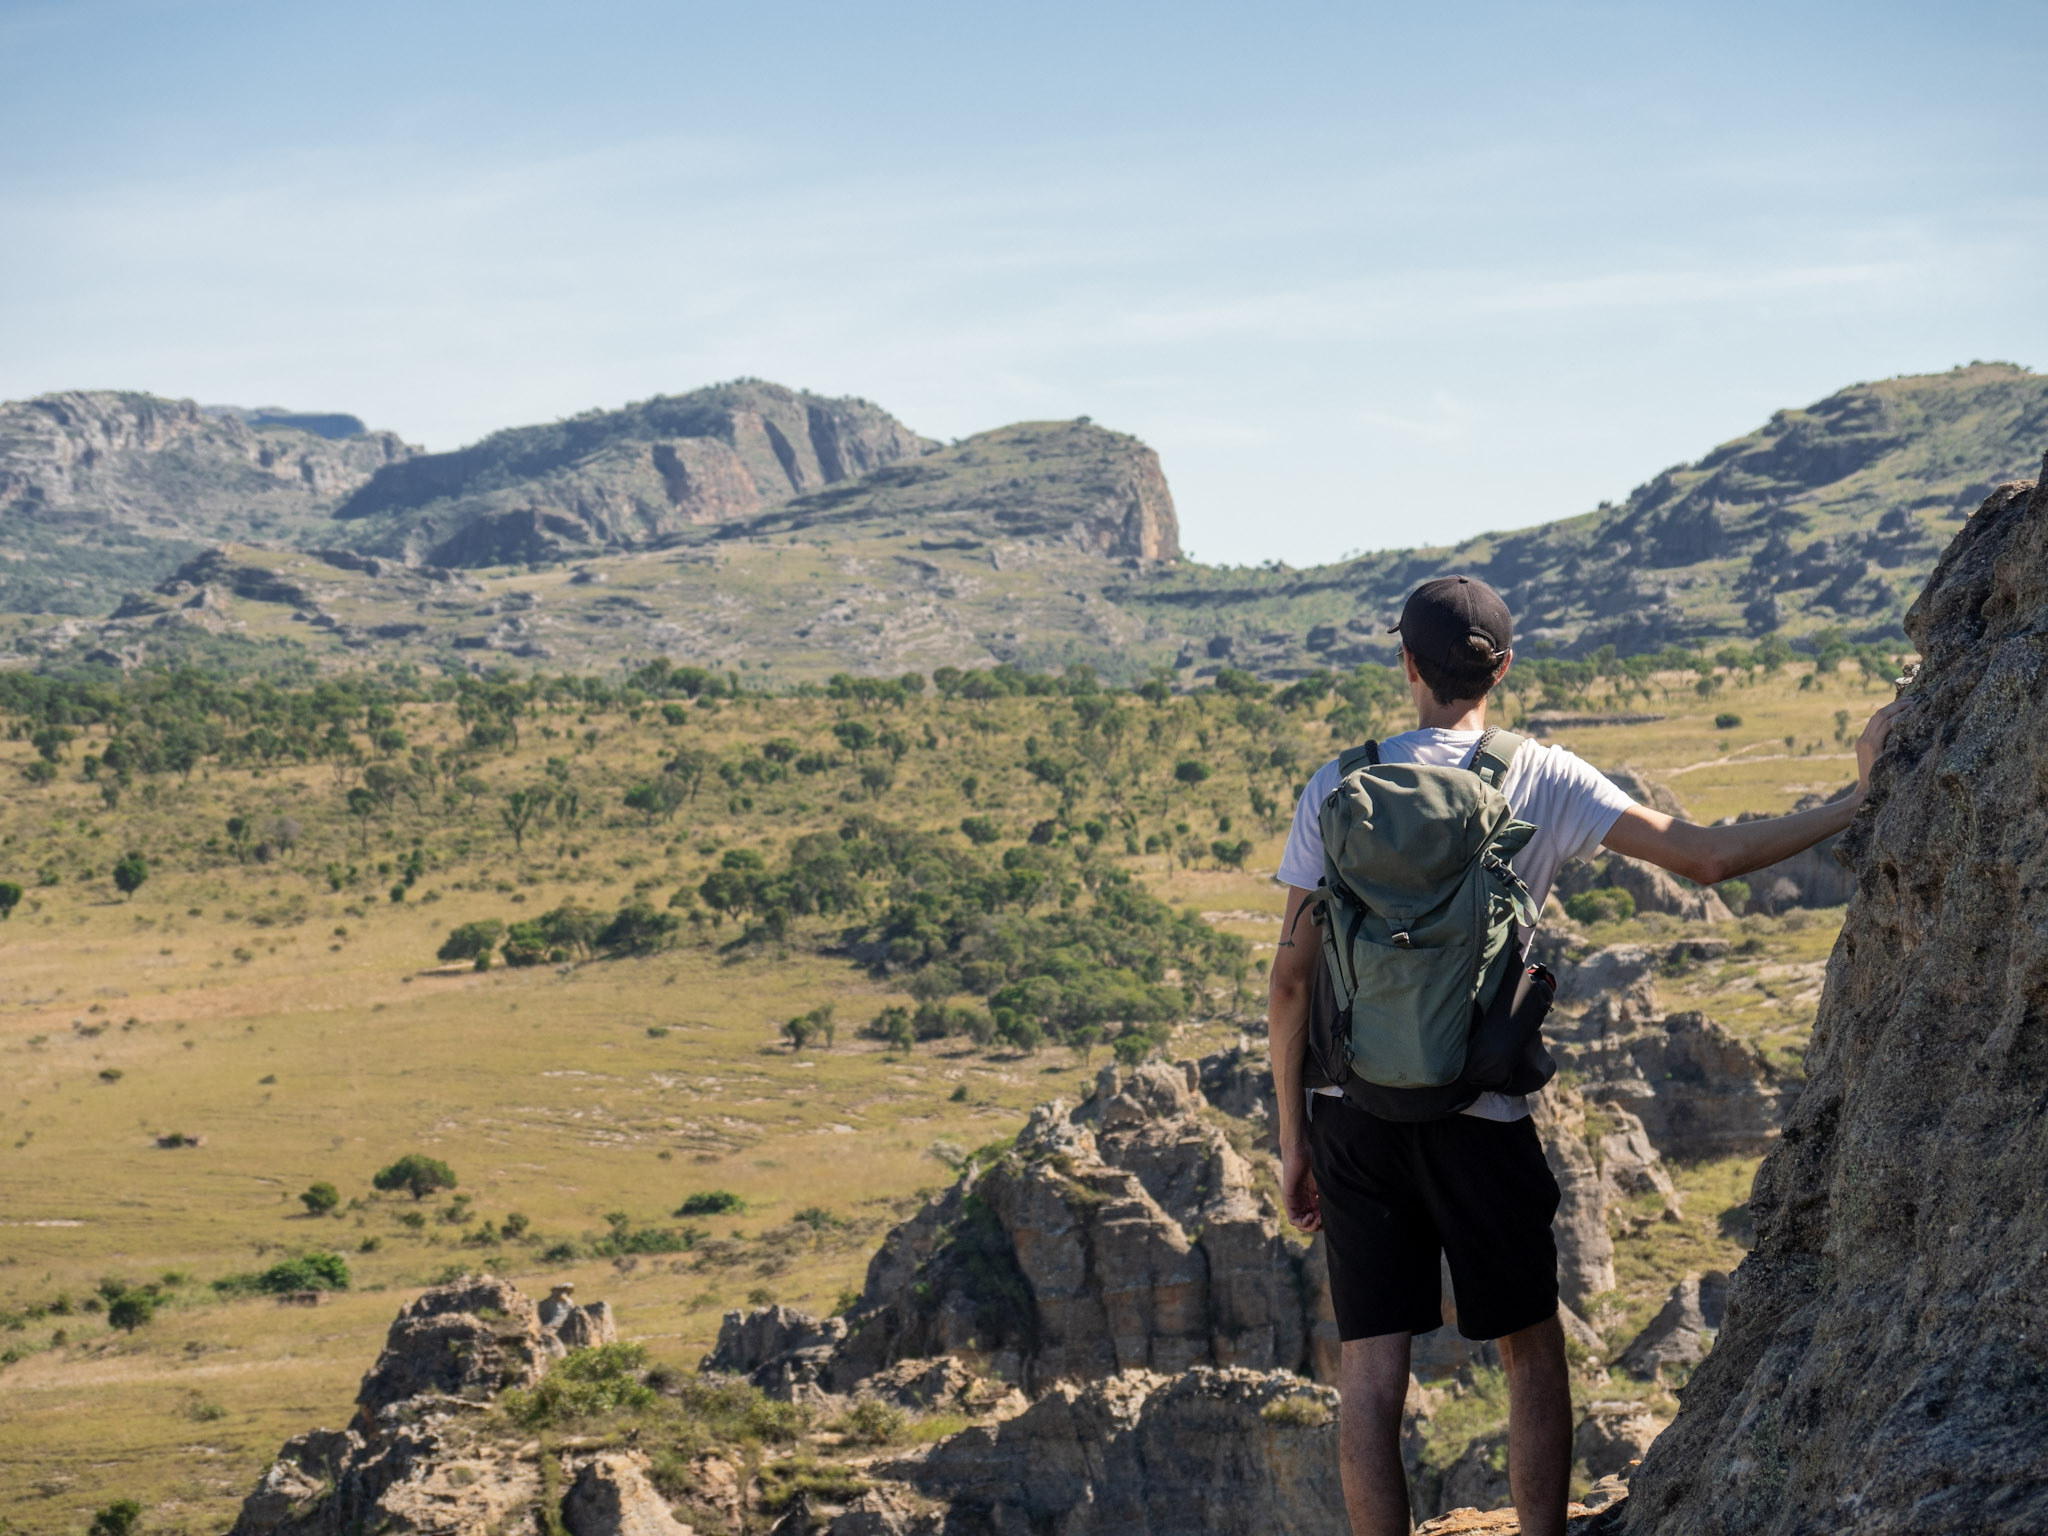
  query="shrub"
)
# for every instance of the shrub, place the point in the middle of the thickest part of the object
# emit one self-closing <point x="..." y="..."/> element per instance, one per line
<point x="473" y="941"/>
<point x="320" y="1198"/>
<point x="980" y="830"/>
<point x="118" y="1519"/>
<point x="308" y="1272"/>
<point x="1189" y="771"/>
<point x="417" y="1174"/>
<point x="871" y="1421"/>
<point x="10" y="898"/>
<point x="712" y="1202"/>
<point x="586" y="1385"/>
<point x="1725" y="722"/>
<point x="130" y="1310"/>
<point x="1736" y="893"/>
<point x="1606" y="905"/>
<point x="1299" y="1411"/>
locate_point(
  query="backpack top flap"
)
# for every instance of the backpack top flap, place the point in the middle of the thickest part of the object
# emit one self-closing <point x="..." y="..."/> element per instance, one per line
<point x="1402" y="837"/>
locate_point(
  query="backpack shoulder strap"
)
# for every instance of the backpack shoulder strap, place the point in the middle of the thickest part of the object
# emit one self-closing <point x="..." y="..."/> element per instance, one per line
<point x="1491" y="757"/>
<point x="1366" y="756"/>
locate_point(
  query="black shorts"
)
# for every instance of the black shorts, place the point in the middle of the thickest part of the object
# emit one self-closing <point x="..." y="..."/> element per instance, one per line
<point x="1395" y="1195"/>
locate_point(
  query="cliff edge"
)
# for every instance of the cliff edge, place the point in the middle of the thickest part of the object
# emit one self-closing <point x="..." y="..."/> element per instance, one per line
<point x="1884" y="1363"/>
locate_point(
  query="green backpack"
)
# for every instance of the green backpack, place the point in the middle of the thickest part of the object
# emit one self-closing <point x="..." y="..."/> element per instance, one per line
<point x="1413" y="1016"/>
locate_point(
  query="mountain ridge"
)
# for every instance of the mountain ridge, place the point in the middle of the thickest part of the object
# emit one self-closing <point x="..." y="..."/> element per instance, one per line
<point x="858" y="545"/>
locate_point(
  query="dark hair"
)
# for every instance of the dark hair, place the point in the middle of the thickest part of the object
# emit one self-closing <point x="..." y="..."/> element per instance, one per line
<point x="1470" y="676"/>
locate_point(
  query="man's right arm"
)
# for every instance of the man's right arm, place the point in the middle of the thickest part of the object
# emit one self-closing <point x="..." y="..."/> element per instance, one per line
<point x="1294" y="967"/>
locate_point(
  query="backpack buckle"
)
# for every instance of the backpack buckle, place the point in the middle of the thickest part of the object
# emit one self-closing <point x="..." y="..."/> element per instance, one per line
<point x="1401" y="940"/>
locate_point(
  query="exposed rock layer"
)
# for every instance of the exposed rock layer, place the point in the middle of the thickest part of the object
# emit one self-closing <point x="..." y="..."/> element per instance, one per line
<point x="1884" y="1365"/>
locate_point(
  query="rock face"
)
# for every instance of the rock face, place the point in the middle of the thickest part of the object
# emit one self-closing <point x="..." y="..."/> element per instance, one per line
<point x="1139" y="1454"/>
<point x="1884" y="1366"/>
<point x="419" y="1457"/>
<point x="150" y="480"/>
<point x="621" y="479"/>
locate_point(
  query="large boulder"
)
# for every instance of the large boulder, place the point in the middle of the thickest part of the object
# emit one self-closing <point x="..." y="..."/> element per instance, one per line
<point x="1228" y="1452"/>
<point x="1698" y="1090"/>
<point x="1119" y="1235"/>
<point x="1884" y="1364"/>
<point x="1683" y="1330"/>
<point x="611" y="1496"/>
<point x="470" y="1340"/>
<point x="1654" y="890"/>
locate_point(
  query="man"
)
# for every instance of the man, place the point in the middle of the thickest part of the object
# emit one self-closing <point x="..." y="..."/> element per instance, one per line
<point x="1389" y="1196"/>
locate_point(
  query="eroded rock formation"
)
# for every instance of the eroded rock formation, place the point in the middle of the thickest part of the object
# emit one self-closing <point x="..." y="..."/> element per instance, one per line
<point x="420" y="1456"/>
<point x="1231" y="1452"/>
<point x="1884" y="1364"/>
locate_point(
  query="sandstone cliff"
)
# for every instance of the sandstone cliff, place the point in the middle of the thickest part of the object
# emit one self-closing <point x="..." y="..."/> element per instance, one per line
<point x="1884" y="1364"/>
<point x="103" y="490"/>
<point x="622" y="479"/>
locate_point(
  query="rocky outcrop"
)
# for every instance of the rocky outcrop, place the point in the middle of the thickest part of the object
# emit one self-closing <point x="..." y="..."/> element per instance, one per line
<point x="1693" y="1088"/>
<point x="1654" y="890"/>
<point x="1121" y="1235"/>
<point x="421" y="1454"/>
<point x="149" y="479"/>
<point x="612" y="1497"/>
<point x="1884" y="1364"/>
<point x="623" y="479"/>
<point x="1139" y="1454"/>
<point x="1683" y="1330"/>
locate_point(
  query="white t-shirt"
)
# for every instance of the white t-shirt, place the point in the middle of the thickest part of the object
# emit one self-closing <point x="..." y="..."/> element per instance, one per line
<point x="1572" y="804"/>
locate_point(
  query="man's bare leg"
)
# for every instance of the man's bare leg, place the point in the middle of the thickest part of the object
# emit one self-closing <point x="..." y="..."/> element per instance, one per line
<point x="1374" y="1388"/>
<point x="1539" y="1425"/>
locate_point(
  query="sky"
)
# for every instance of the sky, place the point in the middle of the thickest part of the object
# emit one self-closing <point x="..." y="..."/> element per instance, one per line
<point x="1367" y="276"/>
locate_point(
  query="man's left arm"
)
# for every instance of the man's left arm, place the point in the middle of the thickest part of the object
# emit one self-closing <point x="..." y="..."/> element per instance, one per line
<point x="1709" y="855"/>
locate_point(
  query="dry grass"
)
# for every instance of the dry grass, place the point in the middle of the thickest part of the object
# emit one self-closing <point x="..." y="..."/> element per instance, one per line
<point x="301" y="1053"/>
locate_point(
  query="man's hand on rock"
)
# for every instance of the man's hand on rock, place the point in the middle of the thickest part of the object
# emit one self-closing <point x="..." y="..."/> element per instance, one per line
<point x="1298" y="1189"/>
<point x="1871" y="743"/>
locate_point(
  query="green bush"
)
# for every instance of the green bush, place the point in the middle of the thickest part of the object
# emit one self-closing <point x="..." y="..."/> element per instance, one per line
<point x="1726" y="722"/>
<point x="980" y="830"/>
<point x="119" y="1518"/>
<point x="870" y="1421"/>
<point x="308" y="1272"/>
<point x="1189" y="771"/>
<point x="473" y="941"/>
<point x="10" y="898"/>
<point x="320" y="1198"/>
<point x="588" y="1384"/>
<point x="130" y="1310"/>
<point x="711" y="1202"/>
<point x="417" y="1174"/>
<point x="1605" y="905"/>
<point x="1736" y="893"/>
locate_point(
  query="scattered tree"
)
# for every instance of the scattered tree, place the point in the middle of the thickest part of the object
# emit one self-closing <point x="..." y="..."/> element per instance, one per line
<point x="130" y="1310"/>
<point x="321" y="1198"/>
<point x="10" y="898"/>
<point x="417" y="1174"/>
<point x="129" y="873"/>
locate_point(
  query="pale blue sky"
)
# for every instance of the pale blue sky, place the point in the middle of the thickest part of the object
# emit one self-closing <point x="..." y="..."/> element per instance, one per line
<point x="1364" y="275"/>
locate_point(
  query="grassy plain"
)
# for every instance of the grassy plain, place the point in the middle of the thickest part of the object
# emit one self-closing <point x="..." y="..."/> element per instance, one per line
<point x="294" y="1016"/>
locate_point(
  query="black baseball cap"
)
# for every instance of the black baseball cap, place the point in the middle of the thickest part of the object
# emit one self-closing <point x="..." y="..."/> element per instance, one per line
<point x="1441" y="616"/>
